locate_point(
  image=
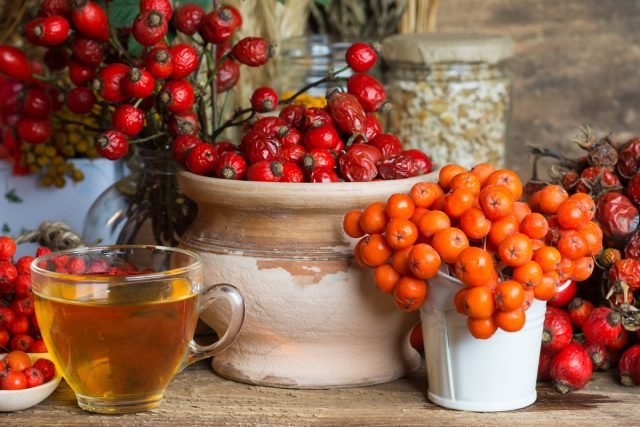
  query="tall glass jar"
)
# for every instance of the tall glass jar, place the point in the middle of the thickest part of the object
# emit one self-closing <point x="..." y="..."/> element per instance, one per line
<point x="450" y="95"/>
<point x="303" y="60"/>
<point x="145" y="207"/>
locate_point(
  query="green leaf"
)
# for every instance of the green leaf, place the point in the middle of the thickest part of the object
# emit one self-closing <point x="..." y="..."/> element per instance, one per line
<point x="122" y="13"/>
<point x="5" y="228"/>
<point x="134" y="48"/>
<point x="12" y="197"/>
<point x="205" y="4"/>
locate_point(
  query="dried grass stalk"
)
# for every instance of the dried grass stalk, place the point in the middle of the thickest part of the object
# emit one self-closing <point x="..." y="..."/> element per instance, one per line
<point x="420" y="16"/>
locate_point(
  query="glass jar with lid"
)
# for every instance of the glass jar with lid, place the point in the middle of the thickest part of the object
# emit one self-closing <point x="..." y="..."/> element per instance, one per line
<point x="450" y="95"/>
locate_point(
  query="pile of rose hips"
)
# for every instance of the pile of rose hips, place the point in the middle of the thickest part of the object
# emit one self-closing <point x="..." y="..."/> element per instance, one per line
<point x="341" y="142"/>
<point x="597" y="319"/>
<point x="506" y="252"/>
<point x="156" y="90"/>
<point x="19" y="328"/>
<point x="17" y="372"/>
<point x="165" y="90"/>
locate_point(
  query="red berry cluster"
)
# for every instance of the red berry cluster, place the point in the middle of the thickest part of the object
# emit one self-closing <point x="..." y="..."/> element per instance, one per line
<point x="343" y="141"/>
<point x="17" y="372"/>
<point x="156" y="85"/>
<point x="19" y="328"/>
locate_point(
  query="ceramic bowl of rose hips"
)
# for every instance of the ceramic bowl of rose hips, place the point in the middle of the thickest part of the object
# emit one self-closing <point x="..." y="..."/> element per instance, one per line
<point x="26" y="379"/>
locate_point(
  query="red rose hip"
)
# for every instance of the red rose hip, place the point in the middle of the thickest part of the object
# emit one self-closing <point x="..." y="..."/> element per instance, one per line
<point x="570" y="368"/>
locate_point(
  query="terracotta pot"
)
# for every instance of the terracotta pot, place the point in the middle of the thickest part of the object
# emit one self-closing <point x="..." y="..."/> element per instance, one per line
<point x="314" y="318"/>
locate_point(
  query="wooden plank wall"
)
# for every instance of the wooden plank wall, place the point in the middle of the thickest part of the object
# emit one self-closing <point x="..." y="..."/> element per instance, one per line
<point x="577" y="61"/>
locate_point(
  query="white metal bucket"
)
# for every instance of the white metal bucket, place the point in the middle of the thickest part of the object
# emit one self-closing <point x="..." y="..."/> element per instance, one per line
<point x="465" y="373"/>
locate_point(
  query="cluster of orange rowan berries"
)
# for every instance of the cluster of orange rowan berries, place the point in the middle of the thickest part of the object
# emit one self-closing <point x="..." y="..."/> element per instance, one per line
<point x="472" y="224"/>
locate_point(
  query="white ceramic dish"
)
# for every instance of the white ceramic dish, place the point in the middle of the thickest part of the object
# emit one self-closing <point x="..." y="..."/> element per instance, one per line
<point x="17" y="400"/>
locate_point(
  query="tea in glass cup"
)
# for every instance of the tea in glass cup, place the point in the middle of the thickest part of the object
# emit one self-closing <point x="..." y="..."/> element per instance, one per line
<point x="121" y="325"/>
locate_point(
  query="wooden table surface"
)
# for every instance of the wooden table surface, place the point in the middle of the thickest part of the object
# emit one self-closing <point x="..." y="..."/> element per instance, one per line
<point x="198" y="397"/>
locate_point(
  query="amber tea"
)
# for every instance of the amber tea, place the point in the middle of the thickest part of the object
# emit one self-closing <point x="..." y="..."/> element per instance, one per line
<point x="112" y="347"/>
<point x="120" y="336"/>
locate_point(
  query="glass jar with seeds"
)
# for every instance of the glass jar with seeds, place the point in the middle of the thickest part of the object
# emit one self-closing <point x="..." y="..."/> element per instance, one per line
<point x="450" y="95"/>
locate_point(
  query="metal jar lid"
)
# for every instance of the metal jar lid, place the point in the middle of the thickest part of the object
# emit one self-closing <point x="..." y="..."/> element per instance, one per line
<point x="429" y="48"/>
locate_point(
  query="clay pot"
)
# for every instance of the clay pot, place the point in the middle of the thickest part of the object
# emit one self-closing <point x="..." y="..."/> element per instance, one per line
<point x="314" y="318"/>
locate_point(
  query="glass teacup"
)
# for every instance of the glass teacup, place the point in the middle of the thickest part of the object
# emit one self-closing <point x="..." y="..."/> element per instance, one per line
<point x="119" y="320"/>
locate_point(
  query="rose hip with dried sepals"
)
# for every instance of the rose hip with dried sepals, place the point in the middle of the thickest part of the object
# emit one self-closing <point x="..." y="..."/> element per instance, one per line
<point x="602" y="326"/>
<point x="318" y="158"/>
<point x="158" y="63"/>
<point x="231" y="165"/>
<point x="108" y="83"/>
<point x="293" y="153"/>
<point x="292" y="137"/>
<point x="23" y="265"/>
<point x="315" y="117"/>
<point x="185" y="60"/>
<point x="87" y="51"/>
<point x="36" y="104"/>
<point x="265" y="170"/>
<point x="359" y="163"/>
<point x="112" y="145"/>
<point x="219" y="25"/>
<point x="579" y="309"/>
<point x="7" y="248"/>
<point x="544" y="365"/>
<point x="22" y="285"/>
<point x="139" y="83"/>
<point x="181" y="146"/>
<point x="162" y="6"/>
<point x="629" y="366"/>
<point x="620" y="342"/>
<point x="347" y="113"/>
<point x="253" y="51"/>
<point x="33" y="131"/>
<point x="293" y="115"/>
<point x="188" y="18"/>
<point x="398" y="167"/>
<point x="47" y="31"/>
<point x="80" y="100"/>
<point x="221" y="147"/>
<point x="597" y="353"/>
<point x="227" y="75"/>
<point x="570" y="368"/>
<point x="21" y="342"/>
<point x="625" y="270"/>
<point x="261" y="147"/>
<point x="270" y="125"/>
<point x="80" y="74"/>
<point x="184" y="123"/>
<point x="34" y="377"/>
<point x="325" y="136"/>
<point x="361" y="57"/>
<point x="128" y="119"/>
<point x="422" y="160"/>
<point x="201" y="159"/>
<point x="629" y="158"/>
<point x="47" y="368"/>
<point x="291" y="172"/>
<point x="323" y="176"/>
<point x="90" y="19"/>
<point x="7" y="317"/>
<point x="177" y="96"/>
<point x="557" y="331"/>
<point x="149" y="27"/>
<point x="14" y="63"/>
<point x="369" y="91"/>
<point x="264" y="99"/>
<point x="388" y="144"/>
<point x="19" y="326"/>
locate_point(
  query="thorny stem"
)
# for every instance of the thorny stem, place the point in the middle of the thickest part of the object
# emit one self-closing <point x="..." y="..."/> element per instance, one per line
<point x="115" y="42"/>
<point x="233" y="120"/>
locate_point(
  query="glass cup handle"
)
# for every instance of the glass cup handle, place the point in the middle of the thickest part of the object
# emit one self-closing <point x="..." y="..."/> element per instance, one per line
<point x="231" y="294"/>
